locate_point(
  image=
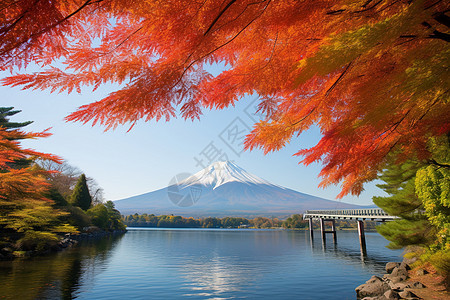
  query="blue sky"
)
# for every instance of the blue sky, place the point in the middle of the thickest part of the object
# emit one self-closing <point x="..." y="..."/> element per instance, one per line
<point x="151" y="154"/>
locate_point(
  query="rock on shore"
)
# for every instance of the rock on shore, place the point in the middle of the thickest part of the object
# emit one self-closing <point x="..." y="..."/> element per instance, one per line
<point x="393" y="285"/>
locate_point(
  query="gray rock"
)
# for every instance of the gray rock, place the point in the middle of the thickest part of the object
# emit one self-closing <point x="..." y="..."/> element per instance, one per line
<point x="398" y="286"/>
<point x="397" y="279"/>
<point x="373" y="287"/>
<point x="391" y="295"/>
<point x="404" y="265"/>
<point x="399" y="271"/>
<point x="407" y="295"/>
<point x="415" y="285"/>
<point x="390" y="266"/>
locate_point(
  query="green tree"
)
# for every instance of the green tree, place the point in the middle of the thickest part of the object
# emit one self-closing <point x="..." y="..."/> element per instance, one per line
<point x="81" y="196"/>
<point x="58" y="199"/>
<point x="433" y="189"/>
<point x="211" y="222"/>
<point x="114" y="217"/>
<point x="419" y="193"/>
<point x="27" y="217"/>
<point x="413" y="227"/>
<point x="99" y="215"/>
<point x="5" y="113"/>
<point x="295" y="221"/>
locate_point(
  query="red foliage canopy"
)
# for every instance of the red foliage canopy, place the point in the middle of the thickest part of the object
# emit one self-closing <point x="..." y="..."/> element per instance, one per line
<point x="373" y="75"/>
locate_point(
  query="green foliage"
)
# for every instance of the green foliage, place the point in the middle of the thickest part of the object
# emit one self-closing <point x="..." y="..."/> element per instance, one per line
<point x="38" y="225"/>
<point x="295" y="221"/>
<point x="106" y="217"/>
<point x="5" y="113"/>
<point x="231" y="222"/>
<point x="420" y="194"/>
<point x="54" y="195"/>
<point x="413" y="228"/>
<point x="402" y="233"/>
<point x="81" y="196"/>
<point x="211" y="223"/>
<point x="172" y="221"/>
<point x="99" y="215"/>
<point x="114" y="217"/>
<point x="433" y="188"/>
<point x="77" y="217"/>
<point x="32" y="209"/>
<point x="37" y="240"/>
<point x="441" y="260"/>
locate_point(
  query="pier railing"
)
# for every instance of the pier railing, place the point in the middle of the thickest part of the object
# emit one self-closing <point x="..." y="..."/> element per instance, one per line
<point x="355" y="214"/>
<point x="374" y="214"/>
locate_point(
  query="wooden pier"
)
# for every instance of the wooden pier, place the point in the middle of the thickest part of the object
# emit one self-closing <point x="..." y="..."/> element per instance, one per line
<point x="375" y="214"/>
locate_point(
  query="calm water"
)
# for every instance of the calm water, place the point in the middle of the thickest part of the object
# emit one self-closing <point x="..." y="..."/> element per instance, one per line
<point x="200" y="264"/>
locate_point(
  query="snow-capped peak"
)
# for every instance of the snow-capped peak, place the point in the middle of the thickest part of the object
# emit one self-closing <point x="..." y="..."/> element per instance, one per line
<point x="222" y="172"/>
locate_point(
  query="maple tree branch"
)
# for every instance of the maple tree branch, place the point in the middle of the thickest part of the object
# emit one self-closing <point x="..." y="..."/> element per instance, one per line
<point x="364" y="6"/>
<point x="411" y="38"/>
<point x="391" y="129"/>
<point x="240" y="14"/>
<point x="302" y="119"/>
<point x="368" y="8"/>
<point x="88" y="2"/>
<point x="387" y="6"/>
<point x="218" y="16"/>
<point x="221" y="46"/>
<point x="428" y="109"/>
<point x="3" y="31"/>
<point x="203" y="4"/>
<point x="267" y="63"/>
<point x="433" y="4"/>
<point x="339" y="79"/>
<point x="121" y="43"/>
<point x="335" y="12"/>
<point x="442" y="18"/>
<point x="440" y="36"/>
<point x="11" y="4"/>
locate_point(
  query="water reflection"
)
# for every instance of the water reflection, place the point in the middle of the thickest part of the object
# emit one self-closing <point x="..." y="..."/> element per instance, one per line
<point x="55" y="276"/>
<point x="348" y="249"/>
<point x="216" y="278"/>
<point x="199" y="264"/>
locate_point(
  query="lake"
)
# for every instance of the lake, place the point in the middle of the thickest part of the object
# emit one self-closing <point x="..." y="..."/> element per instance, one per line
<point x="154" y="263"/>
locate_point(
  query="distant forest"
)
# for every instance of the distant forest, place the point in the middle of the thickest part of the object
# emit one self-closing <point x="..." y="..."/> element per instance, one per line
<point x="170" y="221"/>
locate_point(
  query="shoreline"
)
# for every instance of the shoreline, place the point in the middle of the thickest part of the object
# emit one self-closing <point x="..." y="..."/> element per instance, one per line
<point x="68" y="241"/>
<point x="403" y="282"/>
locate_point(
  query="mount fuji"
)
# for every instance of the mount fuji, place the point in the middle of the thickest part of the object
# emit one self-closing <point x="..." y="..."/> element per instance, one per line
<point x="224" y="189"/>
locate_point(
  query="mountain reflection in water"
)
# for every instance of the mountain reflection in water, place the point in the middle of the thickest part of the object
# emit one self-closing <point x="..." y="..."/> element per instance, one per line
<point x="200" y="264"/>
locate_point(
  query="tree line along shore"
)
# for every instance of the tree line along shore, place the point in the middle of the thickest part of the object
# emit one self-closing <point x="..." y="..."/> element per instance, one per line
<point x="43" y="199"/>
<point x="295" y="221"/>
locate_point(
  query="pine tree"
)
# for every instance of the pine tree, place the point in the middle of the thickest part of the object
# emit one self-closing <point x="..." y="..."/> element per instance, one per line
<point x="81" y="196"/>
<point x="413" y="227"/>
<point x="27" y="217"/>
<point x="5" y="113"/>
<point x="419" y="193"/>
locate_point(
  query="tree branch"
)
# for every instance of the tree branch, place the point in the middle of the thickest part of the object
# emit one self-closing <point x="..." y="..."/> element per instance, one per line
<point x="339" y="79"/>
<point x="218" y="16"/>
<point x="433" y="162"/>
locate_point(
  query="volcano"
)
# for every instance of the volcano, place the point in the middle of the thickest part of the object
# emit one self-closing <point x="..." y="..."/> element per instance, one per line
<point x="224" y="189"/>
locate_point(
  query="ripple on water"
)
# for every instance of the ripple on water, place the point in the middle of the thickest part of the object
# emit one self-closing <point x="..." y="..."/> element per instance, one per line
<point x="200" y="264"/>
